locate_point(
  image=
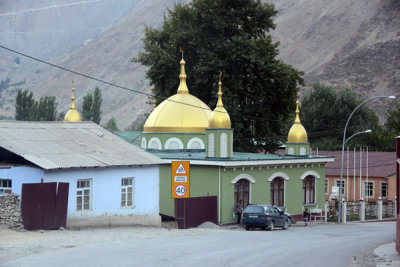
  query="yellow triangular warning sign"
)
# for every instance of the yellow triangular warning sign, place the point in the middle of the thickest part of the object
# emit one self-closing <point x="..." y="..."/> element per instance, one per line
<point x="180" y="170"/>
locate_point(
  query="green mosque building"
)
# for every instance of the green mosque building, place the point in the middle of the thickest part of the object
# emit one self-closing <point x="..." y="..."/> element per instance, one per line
<point x="183" y="128"/>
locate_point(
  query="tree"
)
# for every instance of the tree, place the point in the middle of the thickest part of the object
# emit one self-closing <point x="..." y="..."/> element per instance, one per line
<point x="47" y="109"/>
<point x="324" y="113"/>
<point x="27" y="109"/>
<point x="25" y="106"/>
<point x="393" y="119"/>
<point x="87" y="107"/>
<point x="96" y="106"/>
<point x="91" y="106"/>
<point x="111" y="125"/>
<point x="228" y="36"/>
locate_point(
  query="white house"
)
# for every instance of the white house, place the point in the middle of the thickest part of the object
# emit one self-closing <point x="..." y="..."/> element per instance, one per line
<point x="111" y="182"/>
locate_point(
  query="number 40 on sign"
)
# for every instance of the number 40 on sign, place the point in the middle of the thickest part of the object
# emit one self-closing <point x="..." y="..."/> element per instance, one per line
<point x="180" y="182"/>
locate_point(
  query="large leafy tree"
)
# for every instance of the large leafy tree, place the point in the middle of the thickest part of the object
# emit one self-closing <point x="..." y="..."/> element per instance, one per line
<point x="324" y="113"/>
<point x="91" y="106"/>
<point x="232" y="37"/>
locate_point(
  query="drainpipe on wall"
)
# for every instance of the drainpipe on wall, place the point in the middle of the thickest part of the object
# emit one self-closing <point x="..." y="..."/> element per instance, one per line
<point x="219" y="194"/>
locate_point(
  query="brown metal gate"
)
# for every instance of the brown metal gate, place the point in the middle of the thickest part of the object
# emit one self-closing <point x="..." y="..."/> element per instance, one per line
<point x="191" y="212"/>
<point x="43" y="206"/>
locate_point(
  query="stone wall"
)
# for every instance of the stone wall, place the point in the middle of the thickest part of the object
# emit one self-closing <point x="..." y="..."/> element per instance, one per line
<point x="10" y="211"/>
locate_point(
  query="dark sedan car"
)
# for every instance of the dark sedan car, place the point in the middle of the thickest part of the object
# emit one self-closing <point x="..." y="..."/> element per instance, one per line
<point x="264" y="216"/>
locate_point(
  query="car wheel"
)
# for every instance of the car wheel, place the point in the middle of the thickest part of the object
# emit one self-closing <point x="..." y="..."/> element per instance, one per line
<point x="271" y="226"/>
<point x="246" y="227"/>
<point x="289" y="221"/>
<point x="285" y="226"/>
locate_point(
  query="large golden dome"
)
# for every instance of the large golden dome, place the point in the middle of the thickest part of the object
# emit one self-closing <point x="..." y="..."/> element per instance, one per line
<point x="297" y="133"/>
<point x="180" y="113"/>
<point x="72" y="114"/>
<point x="220" y="117"/>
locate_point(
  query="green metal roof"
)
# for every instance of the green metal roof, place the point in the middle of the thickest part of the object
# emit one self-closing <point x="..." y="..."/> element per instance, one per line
<point x="237" y="156"/>
<point x="130" y="137"/>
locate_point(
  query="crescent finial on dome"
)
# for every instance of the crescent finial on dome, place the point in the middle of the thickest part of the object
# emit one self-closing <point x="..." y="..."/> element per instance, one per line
<point x="297" y="120"/>
<point x="182" y="89"/>
<point x="219" y="103"/>
<point x="220" y="117"/>
<point x="297" y="133"/>
<point x="73" y="96"/>
<point x="72" y="114"/>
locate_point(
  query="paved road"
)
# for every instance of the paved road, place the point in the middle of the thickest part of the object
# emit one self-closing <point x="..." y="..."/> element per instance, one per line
<point x="319" y="245"/>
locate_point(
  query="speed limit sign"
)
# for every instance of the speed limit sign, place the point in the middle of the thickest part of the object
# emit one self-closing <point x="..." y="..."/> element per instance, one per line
<point x="180" y="182"/>
<point x="180" y="190"/>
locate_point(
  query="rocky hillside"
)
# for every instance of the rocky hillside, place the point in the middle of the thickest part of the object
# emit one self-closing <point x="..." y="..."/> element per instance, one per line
<point x="354" y="44"/>
<point x="342" y="43"/>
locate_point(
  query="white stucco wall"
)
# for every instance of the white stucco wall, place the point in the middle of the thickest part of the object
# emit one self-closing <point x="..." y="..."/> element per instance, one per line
<point x="106" y="189"/>
<point x="105" y="193"/>
<point x="20" y="175"/>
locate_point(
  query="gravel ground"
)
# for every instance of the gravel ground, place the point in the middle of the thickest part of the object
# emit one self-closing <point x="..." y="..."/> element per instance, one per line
<point x="13" y="243"/>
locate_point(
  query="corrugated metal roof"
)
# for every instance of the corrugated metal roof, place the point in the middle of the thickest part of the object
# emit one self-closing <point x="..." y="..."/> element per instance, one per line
<point x="54" y="145"/>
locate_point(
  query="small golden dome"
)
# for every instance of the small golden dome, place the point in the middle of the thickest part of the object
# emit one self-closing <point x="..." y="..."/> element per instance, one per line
<point x="180" y="113"/>
<point x="297" y="133"/>
<point x="220" y="117"/>
<point x="72" y="114"/>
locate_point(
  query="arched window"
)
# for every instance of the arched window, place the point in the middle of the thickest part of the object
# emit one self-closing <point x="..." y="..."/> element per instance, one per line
<point x="144" y="145"/>
<point x="195" y="143"/>
<point x="155" y="143"/>
<point x="173" y="143"/>
<point x="309" y="190"/>
<point x="242" y="191"/>
<point x="277" y="192"/>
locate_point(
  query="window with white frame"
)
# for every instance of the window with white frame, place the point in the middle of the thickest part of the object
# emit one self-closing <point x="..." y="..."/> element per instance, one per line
<point x="127" y="192"/>
<point x="341" y="187"/>
<point x="309" y="190"/>
<point x="5" y="186"/>
<point x="384" y="189"/>
<point x="369" y="189"/>
<point x="83" y="194"/>
<point x="326" y="186"/>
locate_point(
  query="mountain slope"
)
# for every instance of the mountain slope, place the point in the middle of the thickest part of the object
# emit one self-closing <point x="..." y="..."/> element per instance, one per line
<point x="341" y="43"/>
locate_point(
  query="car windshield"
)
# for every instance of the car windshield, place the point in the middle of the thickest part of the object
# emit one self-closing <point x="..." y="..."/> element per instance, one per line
<point x="254" y="209"/>
<point x="270" y="209"/>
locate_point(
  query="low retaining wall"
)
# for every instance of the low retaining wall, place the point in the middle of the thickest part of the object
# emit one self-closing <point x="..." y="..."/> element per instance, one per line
<point x="108" y="221"/>
<point x="10" y="211"/>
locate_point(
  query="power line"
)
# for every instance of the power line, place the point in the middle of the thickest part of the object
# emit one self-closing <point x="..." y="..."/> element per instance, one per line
<point x="253" y="118"/>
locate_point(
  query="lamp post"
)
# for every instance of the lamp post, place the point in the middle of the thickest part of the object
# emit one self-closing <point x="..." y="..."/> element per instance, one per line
<point x="344" y="142"/>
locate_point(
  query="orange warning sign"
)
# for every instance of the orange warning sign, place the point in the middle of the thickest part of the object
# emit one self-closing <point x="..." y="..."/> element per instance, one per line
<point x="180" y="179"/>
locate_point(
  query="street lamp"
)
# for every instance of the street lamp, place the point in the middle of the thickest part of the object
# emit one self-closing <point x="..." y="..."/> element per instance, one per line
<point x="344" y="142"/>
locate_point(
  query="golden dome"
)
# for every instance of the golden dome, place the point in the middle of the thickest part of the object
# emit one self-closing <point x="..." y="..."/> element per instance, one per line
<point x="220" y="117"/>
<point x="180" y="113"/>
<point x="297" y="133"/>
<point x="72" y="114"/>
